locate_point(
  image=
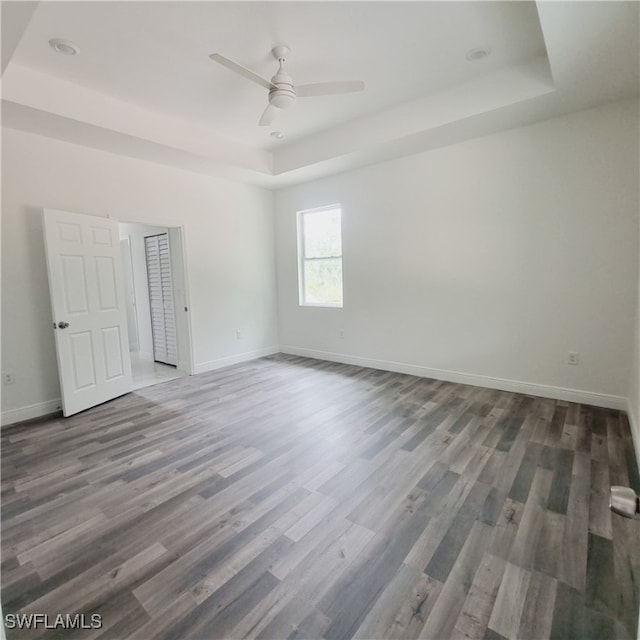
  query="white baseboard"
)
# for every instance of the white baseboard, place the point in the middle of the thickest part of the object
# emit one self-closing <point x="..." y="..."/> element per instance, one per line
<point x="533" y="389"/>
<point x="546" y="391"/>
<point x="31" y="411"/>
<point x="202" y="367"/>
<point x="12" y="416"/>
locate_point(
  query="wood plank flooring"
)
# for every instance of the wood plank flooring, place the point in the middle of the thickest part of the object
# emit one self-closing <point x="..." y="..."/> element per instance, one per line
<point x="293" y="498"/>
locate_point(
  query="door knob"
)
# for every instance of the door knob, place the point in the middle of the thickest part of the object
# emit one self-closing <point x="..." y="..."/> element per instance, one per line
<point x="63" y="325"/>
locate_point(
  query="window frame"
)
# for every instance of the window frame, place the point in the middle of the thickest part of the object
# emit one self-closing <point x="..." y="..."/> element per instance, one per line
<point x="302" y="259"/>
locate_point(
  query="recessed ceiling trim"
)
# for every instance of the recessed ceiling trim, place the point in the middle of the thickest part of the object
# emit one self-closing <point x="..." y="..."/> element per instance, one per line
<point x="64" y="47"/>
<point x="478" y="53"/>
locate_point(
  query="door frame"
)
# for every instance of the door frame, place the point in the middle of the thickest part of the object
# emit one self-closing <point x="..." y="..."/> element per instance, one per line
<point x="188" y="358"/>
<point x="134" y="300"/>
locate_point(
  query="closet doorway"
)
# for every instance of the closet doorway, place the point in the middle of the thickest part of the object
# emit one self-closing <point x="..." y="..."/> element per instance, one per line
<point x="156" y="305"/>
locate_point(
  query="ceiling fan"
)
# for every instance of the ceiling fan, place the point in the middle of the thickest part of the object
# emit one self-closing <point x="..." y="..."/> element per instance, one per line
<point x="282" y="91"/>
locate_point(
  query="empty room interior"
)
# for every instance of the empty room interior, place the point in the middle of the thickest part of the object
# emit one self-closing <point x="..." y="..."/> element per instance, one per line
<point x="320" y="320"/>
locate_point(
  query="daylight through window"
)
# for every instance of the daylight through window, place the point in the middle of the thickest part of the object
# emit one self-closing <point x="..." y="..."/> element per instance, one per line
<point x="320" y="253"/>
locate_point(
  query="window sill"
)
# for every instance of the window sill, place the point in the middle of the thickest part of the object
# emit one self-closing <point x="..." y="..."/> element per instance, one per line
<point x="321" y="305"/>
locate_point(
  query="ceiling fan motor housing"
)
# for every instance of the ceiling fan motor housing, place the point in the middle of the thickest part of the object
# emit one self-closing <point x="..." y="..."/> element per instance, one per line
<point x="284" y="96"/>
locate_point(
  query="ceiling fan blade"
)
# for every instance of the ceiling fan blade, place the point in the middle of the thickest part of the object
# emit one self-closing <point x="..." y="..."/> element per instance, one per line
<point x="268" y="116"/>
<point x="243" y="71"/>
<point x="329" y="88"/>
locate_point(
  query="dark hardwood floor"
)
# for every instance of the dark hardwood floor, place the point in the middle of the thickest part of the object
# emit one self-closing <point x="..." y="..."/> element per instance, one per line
<point x="293" y="498"/>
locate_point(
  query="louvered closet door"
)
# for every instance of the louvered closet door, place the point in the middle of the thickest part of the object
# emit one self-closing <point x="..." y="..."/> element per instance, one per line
<point x="163" y="322"/>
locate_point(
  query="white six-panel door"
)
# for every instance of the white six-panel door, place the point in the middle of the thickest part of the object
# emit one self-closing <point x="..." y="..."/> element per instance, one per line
<point x="88" y="304"/>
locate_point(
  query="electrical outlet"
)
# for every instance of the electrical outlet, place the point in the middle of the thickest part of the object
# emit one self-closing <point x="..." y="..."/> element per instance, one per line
<point x="238" y="335"/>
<point x="8" y="377"/>
<point x="572" y="358"/>
<point x="341" y="334"/>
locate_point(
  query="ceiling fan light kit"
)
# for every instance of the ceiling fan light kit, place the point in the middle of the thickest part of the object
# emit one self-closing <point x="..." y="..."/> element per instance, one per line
<point x="282" y="91"/>
<point x="284" y="96"/>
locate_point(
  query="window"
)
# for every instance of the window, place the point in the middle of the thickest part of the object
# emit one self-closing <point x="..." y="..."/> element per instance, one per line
<point x="320" y="256"/>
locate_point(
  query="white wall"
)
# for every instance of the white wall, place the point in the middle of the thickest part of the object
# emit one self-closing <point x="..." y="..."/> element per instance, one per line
<point x="486" y="261"/>
<point x="633" y="409"/>
<point x="490" y="259"/>
<point x="229" y="247"/>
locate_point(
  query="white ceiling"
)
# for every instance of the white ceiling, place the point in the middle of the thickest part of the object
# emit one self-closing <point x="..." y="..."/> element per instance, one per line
<point x="143" y="84"/>
<point x="155" y="54"/>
